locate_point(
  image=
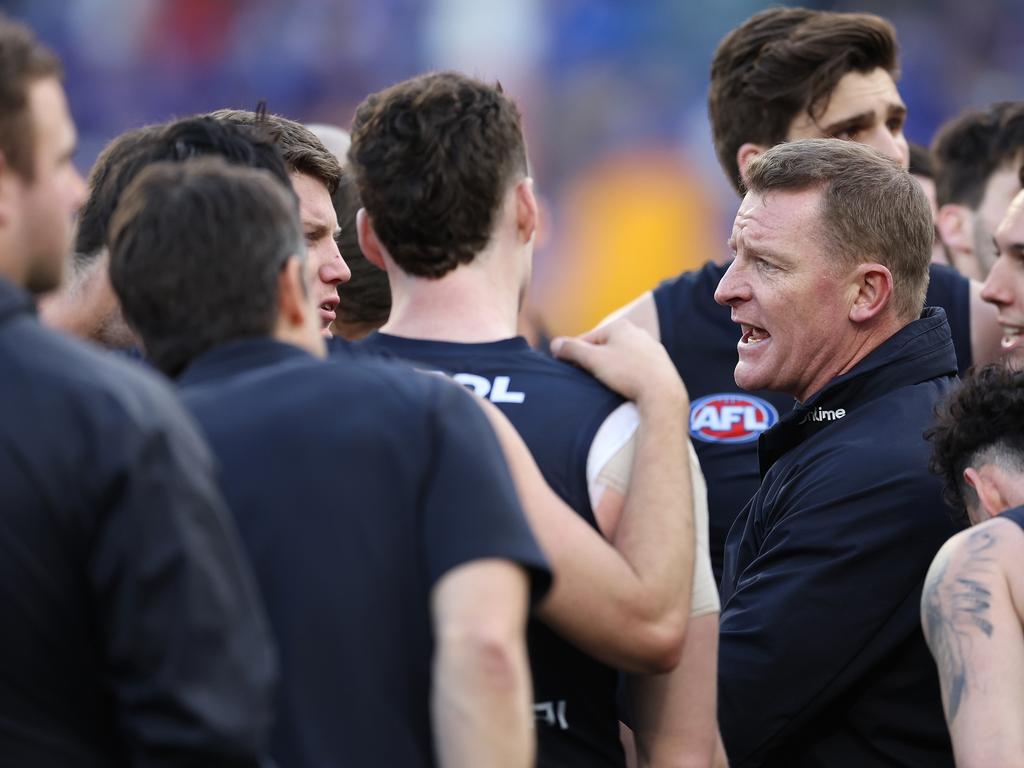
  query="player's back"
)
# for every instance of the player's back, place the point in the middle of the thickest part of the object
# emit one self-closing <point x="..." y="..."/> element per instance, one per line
<point x="346" y="492"/>
<point x="558" y="410"/>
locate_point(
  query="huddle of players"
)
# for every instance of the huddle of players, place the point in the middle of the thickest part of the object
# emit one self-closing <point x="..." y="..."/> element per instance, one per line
<point x="397" y="616"/>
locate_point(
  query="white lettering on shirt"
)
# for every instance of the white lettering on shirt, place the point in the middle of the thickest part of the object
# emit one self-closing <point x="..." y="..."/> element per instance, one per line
<point x="496" y="392"/>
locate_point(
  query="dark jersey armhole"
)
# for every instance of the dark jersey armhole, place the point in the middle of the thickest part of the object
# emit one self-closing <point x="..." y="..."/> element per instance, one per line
<point x="950" y="290"/>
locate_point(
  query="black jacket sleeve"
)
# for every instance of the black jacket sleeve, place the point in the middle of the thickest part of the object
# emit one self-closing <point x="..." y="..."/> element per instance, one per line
<point x="188" y="651"/>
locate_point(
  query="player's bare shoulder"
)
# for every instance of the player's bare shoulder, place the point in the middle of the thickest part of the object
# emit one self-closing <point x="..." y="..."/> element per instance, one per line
<point x="956" y="604"/>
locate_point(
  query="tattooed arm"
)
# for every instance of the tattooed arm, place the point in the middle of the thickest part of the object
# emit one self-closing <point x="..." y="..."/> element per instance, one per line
<point x="972" y="622"/>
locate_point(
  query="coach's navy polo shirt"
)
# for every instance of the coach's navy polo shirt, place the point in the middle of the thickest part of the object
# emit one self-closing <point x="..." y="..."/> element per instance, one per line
<point x="131" y="631"/>
<point x="557" y="409"/>
<point x="357" y="485"/>
<point x="725" y="421"/>
<point x="821" y="657"/>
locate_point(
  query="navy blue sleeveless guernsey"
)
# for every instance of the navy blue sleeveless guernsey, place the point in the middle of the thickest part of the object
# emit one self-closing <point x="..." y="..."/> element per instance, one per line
<point x="557" y="409"/>
<point x="725" y="421"/>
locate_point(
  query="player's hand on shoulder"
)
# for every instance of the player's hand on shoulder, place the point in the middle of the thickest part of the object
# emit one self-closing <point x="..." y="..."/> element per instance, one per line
<point x="624" y="358"/>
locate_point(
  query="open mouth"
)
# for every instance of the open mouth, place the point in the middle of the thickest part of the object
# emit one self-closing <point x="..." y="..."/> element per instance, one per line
<point x="753" y="335"/>
<point x="327" y="313"/>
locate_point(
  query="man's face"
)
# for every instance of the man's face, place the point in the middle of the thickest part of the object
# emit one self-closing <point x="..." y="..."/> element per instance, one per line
<point x="865" y="108"/>
<point x="320" y="227"/>
<point x="1002" y="186"/>
<point x="48" y="203"/>
<point x="1005" y="284"/>
<point x="791" y="304"/>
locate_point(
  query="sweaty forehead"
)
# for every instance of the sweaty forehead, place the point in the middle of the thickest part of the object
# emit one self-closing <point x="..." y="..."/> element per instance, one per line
<point x="856" y="93"/>
<point x="315" y="206"/>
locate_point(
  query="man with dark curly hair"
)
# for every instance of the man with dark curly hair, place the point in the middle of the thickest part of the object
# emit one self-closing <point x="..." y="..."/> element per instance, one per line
<point x="973" y="601"/>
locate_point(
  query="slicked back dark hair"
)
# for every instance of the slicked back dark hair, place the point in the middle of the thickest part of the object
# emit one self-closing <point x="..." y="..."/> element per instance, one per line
<point x="972" y="146"/>
<point x="871" y="209"/>
<point x="984" y="414"/>
<point x="23" y="61"/>
<point x="433" y="158"/>
<point x="127" y="155"/>
<point x="195" y="253"/>
<point x="301" y="148"/>
<point x="783" y="62"/>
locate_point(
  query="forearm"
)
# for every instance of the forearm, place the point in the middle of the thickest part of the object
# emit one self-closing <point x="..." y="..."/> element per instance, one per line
<point x="595" y="592"/>
<point x="656" y="532"/>
<point x="674" y="714"/>
<point x="482" y="703"/>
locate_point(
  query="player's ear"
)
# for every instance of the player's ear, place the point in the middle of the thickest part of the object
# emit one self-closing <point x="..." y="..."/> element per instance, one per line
<point x="985" y="482"/>
<point x="745" y="155"/>
<point x="293" y="302"/>
<point x="527" y="213"/>
<point x="955" y="225"/>
<point x="873" y="283"/>
<point x="369" y="243"/>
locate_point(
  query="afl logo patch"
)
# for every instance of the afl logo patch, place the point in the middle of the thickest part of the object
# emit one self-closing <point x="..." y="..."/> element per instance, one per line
<point x="730" y="418"/>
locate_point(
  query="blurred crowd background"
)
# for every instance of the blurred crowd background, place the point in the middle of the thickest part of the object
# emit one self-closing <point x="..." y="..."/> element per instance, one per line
<point x="612" y="91"/>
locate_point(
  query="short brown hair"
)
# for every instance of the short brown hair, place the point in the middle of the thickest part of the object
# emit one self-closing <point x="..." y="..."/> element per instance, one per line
<point x="300" y="147"/>
<point x="783" y="62"/>
<point x="180" y="237"/>
<point x="433" y="158"/>
<point x="23" y="61"/>
<point x="871" y="210"/>
<point x="122" y="160"/>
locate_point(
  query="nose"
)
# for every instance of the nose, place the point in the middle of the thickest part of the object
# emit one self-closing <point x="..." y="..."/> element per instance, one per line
<point x="732" y="287"/>
<point x="997" y="289"/>
<point x="334" y="270"/>
<point x="892" y="145"/>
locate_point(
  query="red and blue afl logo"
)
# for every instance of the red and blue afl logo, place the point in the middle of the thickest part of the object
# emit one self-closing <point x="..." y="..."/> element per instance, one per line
<point x="730" y="418"/>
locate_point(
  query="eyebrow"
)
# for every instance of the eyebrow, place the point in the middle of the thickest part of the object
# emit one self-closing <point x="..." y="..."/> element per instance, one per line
<point x="863" y="119"/>
<point x="315" y="228"/>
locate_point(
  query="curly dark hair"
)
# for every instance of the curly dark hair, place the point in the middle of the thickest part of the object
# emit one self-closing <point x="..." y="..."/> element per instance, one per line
<point x="986" y="412"/>
<point x="433" y="157"/>
<point x="785" y="61"/>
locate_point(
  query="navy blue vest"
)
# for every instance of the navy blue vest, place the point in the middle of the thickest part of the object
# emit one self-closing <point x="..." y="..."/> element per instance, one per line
<point x="557" y="410"/>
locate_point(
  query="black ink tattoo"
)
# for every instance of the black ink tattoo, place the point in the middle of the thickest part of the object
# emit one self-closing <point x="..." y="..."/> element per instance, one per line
<point x="956" y="603"/>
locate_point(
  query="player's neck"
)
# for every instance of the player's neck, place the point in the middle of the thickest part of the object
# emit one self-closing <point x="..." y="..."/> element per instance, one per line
<point x="473" y="303"/>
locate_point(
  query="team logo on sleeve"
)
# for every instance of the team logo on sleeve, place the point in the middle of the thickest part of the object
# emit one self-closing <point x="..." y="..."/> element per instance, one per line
<point x="730" y="418"/>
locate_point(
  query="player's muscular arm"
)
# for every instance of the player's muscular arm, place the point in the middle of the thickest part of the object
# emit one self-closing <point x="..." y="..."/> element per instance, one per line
<point x="481" y="698"/>
<point x="655" y="534"/>
<point x="642" y="312"/>
<point x="674" y="714"/>
<point x="970" y="613"/>
<point x="643" y="581"/>
<point x="985" y="331"/>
